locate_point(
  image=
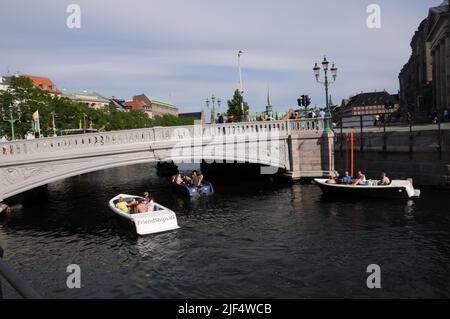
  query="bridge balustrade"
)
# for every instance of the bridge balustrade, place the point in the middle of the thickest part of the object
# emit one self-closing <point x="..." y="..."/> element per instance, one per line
<point x="153" y="135"/>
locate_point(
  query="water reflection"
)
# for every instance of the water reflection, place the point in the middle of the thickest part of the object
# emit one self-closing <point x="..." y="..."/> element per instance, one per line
<point x="252" y="240"/>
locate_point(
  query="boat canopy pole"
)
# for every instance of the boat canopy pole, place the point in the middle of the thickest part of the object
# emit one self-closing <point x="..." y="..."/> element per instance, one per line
<point x="353" y="153"/>
<point x="346" y="152"/>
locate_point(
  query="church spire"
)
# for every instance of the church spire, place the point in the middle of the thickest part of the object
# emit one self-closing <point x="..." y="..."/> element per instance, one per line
<point x="269" y="109"/>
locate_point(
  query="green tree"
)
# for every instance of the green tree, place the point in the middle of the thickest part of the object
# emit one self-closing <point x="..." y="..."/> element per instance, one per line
<point x="170" y="120"/>
<point x="234" y="106"/>
<point x="68" y="114"/>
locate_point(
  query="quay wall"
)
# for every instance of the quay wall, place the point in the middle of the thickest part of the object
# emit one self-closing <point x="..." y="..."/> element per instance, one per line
<point x="423" y="156"/>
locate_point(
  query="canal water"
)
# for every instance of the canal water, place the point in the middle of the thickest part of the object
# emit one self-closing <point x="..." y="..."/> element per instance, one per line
<point x="249" y="240"/>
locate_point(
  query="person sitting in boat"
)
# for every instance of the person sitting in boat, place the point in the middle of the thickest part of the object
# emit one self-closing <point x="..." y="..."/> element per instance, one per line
<point x="332" y="179"/>
<point x="347" y="179"/>
<point x="179" y="179"/>
<point x="149" y="202"/>
<point x="361" y="179"/>
<point x="187" y="180"/>
<point x="197" y="178"/>
<point x="122" y="205"/>
<point x="385" y="181"/>
<point x="141" y="208"/>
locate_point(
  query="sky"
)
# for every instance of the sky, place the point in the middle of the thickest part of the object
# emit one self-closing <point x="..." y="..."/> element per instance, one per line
<point x="186" y="50"/>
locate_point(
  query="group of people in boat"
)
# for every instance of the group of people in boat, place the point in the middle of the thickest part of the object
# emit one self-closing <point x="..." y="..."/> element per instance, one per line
<point x="195" y="179"/>
<point x="359" y="180"/>
<point x="137" y="206"/>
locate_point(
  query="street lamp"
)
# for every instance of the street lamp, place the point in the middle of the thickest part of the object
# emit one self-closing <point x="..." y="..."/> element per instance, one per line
<point x="325" y="65"/>
<point x="11" y="118"/>
<point x="84" y="121"/>
<point x="241" y="87"/>
<point x="212" y="108"/>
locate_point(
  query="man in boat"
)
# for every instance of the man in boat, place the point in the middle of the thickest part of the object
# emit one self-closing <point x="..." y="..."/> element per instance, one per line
<point x="347" y="179"/>
<point x="361" y="179"/>
<point x="385" y="181"/>
<point x="142" y="208"/>
<point x="122" y="205"/>
<point x="197" y="178"/>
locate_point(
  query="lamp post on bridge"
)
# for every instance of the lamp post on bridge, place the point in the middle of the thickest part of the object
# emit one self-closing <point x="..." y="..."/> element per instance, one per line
<point x="243" y="117"/>
<point x="211" y="105"/>
<point x="11" y="119"/>
<point x="327" y="82"/>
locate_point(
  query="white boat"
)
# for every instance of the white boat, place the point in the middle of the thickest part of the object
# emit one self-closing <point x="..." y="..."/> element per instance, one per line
<point x="397" y="189"/>
<point x="160" y="220"/>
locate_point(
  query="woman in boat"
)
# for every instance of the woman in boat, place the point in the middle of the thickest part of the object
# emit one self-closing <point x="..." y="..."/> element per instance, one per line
<point x="149" y="202"/>
<point x="178" y="179"/>
<point x="361" y="179"/>
<point x="385" y="181"/>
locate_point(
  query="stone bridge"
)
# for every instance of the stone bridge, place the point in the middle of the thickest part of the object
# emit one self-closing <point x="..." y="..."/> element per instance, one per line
<point x="300" y="148"/>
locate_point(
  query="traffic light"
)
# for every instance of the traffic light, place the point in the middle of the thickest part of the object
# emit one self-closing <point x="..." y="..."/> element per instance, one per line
<point x="304" y="100"/>
<point x="307" y="101"/>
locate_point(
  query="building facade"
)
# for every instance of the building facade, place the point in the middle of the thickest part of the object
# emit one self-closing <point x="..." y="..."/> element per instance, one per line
<point x="417" y="75"/>
<point x="438" y="38"/>
<point x="425" y="79"/>
<point x="152" y="106"/>
<point x="198" y="116"/>
<point x="93" y="100"/>
<point x="367" y="107"/>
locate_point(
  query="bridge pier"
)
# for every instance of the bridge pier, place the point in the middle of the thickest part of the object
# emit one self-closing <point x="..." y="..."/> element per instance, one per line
<point x="310" y="156"/>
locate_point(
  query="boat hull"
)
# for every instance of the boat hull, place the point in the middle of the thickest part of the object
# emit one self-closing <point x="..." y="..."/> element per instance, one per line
<point x="397" y="190"/>
<point x="159" y="221"/>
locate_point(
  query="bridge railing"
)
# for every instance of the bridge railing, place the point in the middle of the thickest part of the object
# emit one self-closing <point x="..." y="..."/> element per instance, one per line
<point x="154" y="135"/>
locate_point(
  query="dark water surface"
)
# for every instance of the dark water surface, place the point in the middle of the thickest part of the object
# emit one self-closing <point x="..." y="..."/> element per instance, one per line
<point x="255" y="240"/>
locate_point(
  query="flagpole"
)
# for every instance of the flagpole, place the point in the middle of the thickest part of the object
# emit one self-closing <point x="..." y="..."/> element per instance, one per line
<point x="53" y="124"/>
<point x="39" y="125"/>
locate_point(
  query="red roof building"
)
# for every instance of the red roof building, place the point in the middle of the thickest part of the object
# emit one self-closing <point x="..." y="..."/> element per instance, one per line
<point x="152" y="106"/>
<point x="42" y="83"/>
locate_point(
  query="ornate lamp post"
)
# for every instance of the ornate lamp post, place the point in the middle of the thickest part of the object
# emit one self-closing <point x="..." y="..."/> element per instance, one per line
<point x="212" y="107"/>
<point x="243" y="117"/>
<point x="11" y="119"/>
<point x="325" y="64"/>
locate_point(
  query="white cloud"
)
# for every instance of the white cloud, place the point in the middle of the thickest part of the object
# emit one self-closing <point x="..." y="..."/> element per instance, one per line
<point x="187" y="49"/>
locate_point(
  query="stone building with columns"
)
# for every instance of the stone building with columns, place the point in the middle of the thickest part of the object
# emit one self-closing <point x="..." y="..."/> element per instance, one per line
<point x="438" y="38"/>
<point x="425" y="79"/>
<point x="417" y="75"/>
